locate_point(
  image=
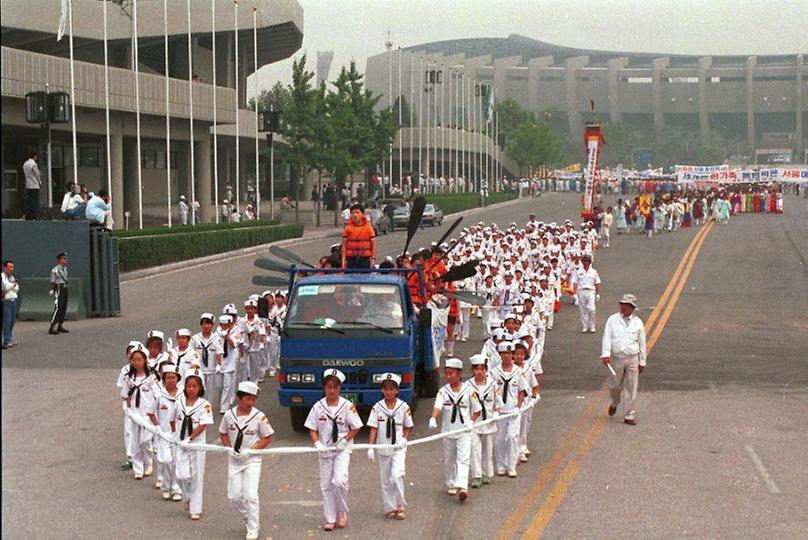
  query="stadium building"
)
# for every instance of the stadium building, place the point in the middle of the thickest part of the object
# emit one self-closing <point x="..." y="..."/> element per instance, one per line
<point x="32" y="58"/>
<point x="757" y="105"/>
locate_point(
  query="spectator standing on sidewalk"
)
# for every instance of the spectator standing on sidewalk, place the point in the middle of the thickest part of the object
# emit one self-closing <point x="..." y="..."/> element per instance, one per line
<point x="33" y="182"/>
<point x="10" y="291"/>
<point x="59" y="284"/>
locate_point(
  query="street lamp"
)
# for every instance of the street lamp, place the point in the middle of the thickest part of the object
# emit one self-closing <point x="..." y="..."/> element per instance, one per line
<point x="46" y="108"/>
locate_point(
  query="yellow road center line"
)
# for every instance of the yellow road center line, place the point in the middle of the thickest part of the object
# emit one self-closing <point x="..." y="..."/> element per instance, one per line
<point x="567" y="475"/>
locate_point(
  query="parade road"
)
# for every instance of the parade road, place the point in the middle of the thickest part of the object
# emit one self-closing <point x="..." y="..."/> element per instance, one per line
<point x="719" y="449"/>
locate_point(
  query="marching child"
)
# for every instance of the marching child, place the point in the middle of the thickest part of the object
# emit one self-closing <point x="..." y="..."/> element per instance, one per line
<point x="242" y="427"/>
<point x="482" y="439"/>
<point x="520" y="358"/>
<point x="459" y="407"/>
<point x="393" y="419"/>
<point x="232" y="351"/>
<point x="255" y="335"/>
<point x="333" y="423"/>
<point x="208" y="345"/>
<point x="183" y="355"/>
<point x="126" y="465"/>
<point x="194" y="415"/>
<point x="512" y="387"/>
<point x="162" y="413"/>
<point x="490" y="347"/>
<point x="137" y="393"/>
<point x="155" y="340"/>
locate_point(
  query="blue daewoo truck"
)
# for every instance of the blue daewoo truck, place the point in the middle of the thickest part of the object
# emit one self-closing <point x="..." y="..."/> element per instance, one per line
<point x="362" y="322"/>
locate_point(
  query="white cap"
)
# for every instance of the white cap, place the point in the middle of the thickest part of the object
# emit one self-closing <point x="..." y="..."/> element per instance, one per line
<point x="495" y="323"/>
<point x="455" y="363"/>
<point x="170" y="367"/>
<point x="195" y="372"/>
<point x="155" y="334"/>
<point x="248" y="388"/>
<point x="250" y="303"/>
<point x="208" y="316"/>
<point x="498" y="333"/>
<point x="334" y="373"/>
<point x="254" y="297"/>
<point x="477" y="360"/>
<point x="629" y="299"/>
<point x="505" y="346"/>
<point x="230" y="309"/>
<point x="224" y="319"/>
<point x="391" y="377"/>
<point x="513" y="316"/>
<point x="134" y="343"/>
<point x="183" y="332"/>
<point x="267" y="293"/>
<point x="139" y="348"/>
<point x="520" y="343"/>
<point x="182" y="197"/>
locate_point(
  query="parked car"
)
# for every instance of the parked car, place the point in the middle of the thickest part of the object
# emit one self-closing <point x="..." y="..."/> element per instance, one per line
<point x="433" y="215"/>
<point x="401" y="216"/>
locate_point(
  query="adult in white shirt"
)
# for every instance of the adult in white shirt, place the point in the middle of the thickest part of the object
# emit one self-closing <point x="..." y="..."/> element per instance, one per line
<point x="624" y="349"/>
<point x="587" y="287"/>
<point x="606" y="220"/>
<point x="10" y="291"/>
<point x="33" y="182"/>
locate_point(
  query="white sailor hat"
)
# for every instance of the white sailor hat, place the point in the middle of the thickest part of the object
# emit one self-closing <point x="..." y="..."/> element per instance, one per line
<point x="224" y="319"/>
<point x="182" y="197"/>
<point x="266" y="293"/>
<point x="498" y="333"/>
<point x="184" y="332"/>
<point x="477" y="360"/>
<point x="514" y="316"/>
<point x="206" y="315"/>
<point x="391" y="377"/>
<point x="495" y="323"/>
<point x="170" y="367"/>
<point x="230" y="309"/>
<point x="195" y="372"/>
<point x="139" y="348"/>
<point x="248" y="387"/>
<point x="454" y="363"/>
<point x="505" y="346"/>
<point x="340" y="376"/>
<point x="250" y="303"/>
<point x="254" y="297"/>
<point x="155" y="334"/>
<point x="134" y="343"/>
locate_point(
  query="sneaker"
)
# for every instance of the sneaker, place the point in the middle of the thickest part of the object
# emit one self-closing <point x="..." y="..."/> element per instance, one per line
<point x="522" y="458"/>
<point x="583" y="331"/>
<point x="166" y="495"/>
<point x="500" y="472"/>
<point x="158" y="484"/>
<point x="126" y="465"/>
<point x="592" y="330"/>
<point x="138" y="476"/>
<point x="148" y="471"/>
<point x="526" y="452"/>
<point x="512" y="473"/>
<point x="486" y="480"/>
<point x="476" y="482"/>
<point x="251" y="536"/>
<point x="176" y="497"/>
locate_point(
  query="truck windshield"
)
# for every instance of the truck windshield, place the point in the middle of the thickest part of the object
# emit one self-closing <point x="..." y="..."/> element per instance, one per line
<point x="347" y="304"/>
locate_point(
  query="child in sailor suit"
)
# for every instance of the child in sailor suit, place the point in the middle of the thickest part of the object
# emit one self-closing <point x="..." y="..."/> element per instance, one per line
<point x="243" y="427"/>
<point x="137" y="392"/>
<point x="183" y="355"/>
<point x="163" y="412"/>
<point x="255" y="334"/>
<point x="482" y="439"/>
<point x="390" y="422"/>
<point x="512" y="386"/>
<point x="194" y="415"/>
<point x="520" y="358"/>
<point x="459" y="408"/>
<point x="126" y="465"/>
<point x="232" y="350"/>
<point x="209" y="345"/>
<point x="333" y="423"/>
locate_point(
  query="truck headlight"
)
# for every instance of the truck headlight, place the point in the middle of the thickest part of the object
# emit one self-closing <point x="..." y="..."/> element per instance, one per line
<point x="293" y="378"/>
<point x="308" y="378"/>
<point x="377" y="378"/>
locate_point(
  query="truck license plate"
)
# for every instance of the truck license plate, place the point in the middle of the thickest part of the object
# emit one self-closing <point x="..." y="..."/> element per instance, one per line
<point x="350" y="397"/>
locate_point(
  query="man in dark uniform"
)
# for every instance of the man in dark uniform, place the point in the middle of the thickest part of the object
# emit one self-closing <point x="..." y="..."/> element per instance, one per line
<point x="58" y="284"/>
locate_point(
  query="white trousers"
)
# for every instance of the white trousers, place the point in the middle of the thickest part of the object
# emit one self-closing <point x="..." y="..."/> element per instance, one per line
<point x="605" y="234"/>
<point x="586" y="304"/>
<point x="140" y="447"/>
<point x="166" y="454"/>
<point x="334" y="483"/>
<point x="505" y="442"/>
<point x="242" y="490"/>
<point x="228" y="389"/>
<point x="456" y="458"/>
<point x="526" y="419"/>
<point x="550" y="317"/>
<point x="624" y="384"/>
<point x="391" y="472"/>
<point x="255" y="360"/>
<point x="213" y="387"/>
<point x="126" y="436"/>
<point x="482" y="454"/>
<point x="190" y="472"/>
<point x="488" y="314"/>
<point x="464" y="324"/>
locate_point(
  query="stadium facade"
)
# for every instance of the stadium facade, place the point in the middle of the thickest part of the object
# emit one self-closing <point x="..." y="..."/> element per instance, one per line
<point x="755" y="103"/>
<point x="32" y="58"/>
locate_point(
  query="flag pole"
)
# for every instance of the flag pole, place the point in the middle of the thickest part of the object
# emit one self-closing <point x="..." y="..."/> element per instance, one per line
<point x="106" y="108"/>
<point x="420" y="122"/>
<point x="255" y="98"/>
<point x="168" y="113"/>
<point x="137" y="117"/>
<point x="235" y="43"/>
<point x="72" y="97"/>
<point x="215" y="125"/>
<point x="194" y="217"/>
<point x="400" y="98"/>
<point x="412" y="110"/>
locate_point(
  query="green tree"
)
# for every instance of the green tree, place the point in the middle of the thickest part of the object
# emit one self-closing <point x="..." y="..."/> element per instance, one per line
<point x="300" y="125"/>
<point x="534" y="144"/>
<point x="278" y="98"/>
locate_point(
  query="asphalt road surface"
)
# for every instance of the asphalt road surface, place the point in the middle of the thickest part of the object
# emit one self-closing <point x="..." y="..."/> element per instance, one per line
<point x="719" y="450"/>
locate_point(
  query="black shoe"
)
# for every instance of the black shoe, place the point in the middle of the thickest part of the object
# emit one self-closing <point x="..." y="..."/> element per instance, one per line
<point x="63" y="330"/>
<point x="53" y="331"/>
<point x="612" y="410"/>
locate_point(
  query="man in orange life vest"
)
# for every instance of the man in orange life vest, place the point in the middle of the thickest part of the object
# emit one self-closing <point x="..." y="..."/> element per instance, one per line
<point x="358" y="240"/>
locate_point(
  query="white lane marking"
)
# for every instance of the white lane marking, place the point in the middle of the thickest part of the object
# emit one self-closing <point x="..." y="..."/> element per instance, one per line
<point x="770" y="485"/>
<point x="304" y="503"/>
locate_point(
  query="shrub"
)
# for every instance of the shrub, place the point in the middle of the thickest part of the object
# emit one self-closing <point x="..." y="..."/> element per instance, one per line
<point x="176" y="228"/>
<point x="143" y="251"/>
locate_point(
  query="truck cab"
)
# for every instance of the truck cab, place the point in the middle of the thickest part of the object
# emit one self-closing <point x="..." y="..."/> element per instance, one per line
<point x="362" y="322"/>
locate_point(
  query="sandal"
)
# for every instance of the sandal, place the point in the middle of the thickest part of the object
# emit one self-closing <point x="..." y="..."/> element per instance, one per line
<point x="329" y="526"/>
<point x="392" y="515"/>
<point x="401" y="513"/>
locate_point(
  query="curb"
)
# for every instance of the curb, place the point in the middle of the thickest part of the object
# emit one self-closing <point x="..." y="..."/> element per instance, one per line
<point x="319" y="235"/>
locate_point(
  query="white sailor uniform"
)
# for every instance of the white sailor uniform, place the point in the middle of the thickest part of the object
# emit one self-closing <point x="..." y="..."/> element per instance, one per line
<point x="456" y="411"/>
<point x="190" y="464"/>
<point x="390" y="426"/>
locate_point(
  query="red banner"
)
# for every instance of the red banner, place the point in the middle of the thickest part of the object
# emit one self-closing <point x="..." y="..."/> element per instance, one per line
<point x="593" y="139"/>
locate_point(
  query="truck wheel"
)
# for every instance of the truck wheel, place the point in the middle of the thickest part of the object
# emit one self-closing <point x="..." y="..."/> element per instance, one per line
<point x="298" y="416"/>
<point x="430" y="385"/>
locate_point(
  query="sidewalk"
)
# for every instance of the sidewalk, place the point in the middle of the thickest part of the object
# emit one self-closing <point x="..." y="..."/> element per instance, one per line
<point x="310" y="234"/>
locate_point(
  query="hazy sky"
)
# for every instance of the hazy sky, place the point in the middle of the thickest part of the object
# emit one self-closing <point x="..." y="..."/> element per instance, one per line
<point x="356" y="29"/>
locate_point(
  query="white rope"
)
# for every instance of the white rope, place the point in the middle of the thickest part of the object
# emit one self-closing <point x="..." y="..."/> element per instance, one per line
<point x="205" y="447"/>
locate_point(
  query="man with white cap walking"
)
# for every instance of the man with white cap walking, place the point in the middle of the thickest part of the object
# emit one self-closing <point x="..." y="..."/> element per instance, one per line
<point x="624" y="350"/>
<point x="586" y="285"/>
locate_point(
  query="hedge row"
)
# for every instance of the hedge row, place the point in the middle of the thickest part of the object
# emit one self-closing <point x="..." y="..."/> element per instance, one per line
<point x="457" y="202"/>
<point x="144" y="251"/>
<point x="176" y="228"/>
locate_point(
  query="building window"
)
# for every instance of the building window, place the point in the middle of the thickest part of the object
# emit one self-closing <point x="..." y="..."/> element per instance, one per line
<point x="89" y="156"/>
<point x="161" y="159"/>
<point x="149" y="158"/>
<point x="684" y="80"/>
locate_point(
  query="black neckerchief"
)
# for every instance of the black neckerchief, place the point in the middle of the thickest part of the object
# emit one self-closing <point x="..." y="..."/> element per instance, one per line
<point x="391" y="423"/>
<point x="334" y="425"/>
<point x="187" y="421"/>
<point x="456" y="408"/>
<point x="505" y="386"/>
<point x="240" y="436"/>
<point x="481" y="399"/>
<point x="135" y="389"/>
